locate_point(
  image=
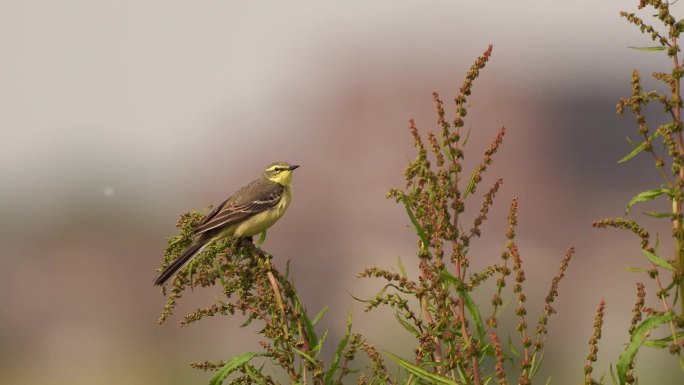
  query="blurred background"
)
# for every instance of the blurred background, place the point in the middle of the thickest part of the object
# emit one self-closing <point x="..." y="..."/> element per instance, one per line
<point x="115" y="117"/>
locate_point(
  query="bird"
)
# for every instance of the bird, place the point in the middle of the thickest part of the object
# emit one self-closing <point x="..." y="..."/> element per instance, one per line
<point x="249" y="211"/>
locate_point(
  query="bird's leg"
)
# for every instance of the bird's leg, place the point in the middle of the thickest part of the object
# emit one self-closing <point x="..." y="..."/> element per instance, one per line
<point x="246" y="242"/>
<point x="249" y="243"/>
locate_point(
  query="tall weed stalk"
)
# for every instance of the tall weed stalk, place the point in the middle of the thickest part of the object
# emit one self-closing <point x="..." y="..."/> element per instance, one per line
<point x="664" y="144"/>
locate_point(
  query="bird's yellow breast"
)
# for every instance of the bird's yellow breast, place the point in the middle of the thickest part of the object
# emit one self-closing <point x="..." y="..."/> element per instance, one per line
<point x="262" y="221"/>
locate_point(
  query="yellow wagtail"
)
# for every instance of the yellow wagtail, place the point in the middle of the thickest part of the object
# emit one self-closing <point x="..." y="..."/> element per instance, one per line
<point x="251" y="210"/>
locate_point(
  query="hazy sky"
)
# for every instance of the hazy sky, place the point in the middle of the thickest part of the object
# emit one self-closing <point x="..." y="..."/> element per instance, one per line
<point x="116" y="116"/>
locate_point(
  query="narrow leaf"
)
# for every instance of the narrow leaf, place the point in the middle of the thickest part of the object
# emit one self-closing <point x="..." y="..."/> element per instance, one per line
<point x="258" y="377"/>
<point x="664" y="342"/>
<point x="461" y="373"/>
<point x="638" y="338"/>
<point x="340" y="349"/>
<point x="410" y="328"/>
<point x="308" y="325"/>
<point x="306" y="356"/>
<point x="465" y="140"/>
<point x="632" y="142"/>
<point x="469" y="303"/>
<point x="645" y="196"/>
<point x="511" y="346"/>
<point x="471" y="183"/>
<point x="320" y="315"/>
<point x="446" y="151"/>
<point x="231" y="366"/>
<point x="613" y="378"/>
<point x="654" y="48"/>
<point x="419" y="228"/>
<point x="654" y="214"/>
<point x="401" y="267"/>
<point x="638" y="148"/>
<point x="319" y="345"/>
<point x="636" y="269"/>
<point x="657" y="260"/>
<point x="536" y="363"/>
<point x="432" y="378"/>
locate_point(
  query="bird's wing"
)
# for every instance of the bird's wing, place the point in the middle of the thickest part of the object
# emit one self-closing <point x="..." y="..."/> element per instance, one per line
<point x="256" y="197"/>
<point x="213" y="213"/>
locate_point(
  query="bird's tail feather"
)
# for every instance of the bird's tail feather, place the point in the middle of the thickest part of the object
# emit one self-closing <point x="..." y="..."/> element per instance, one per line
<point x="179" y="262"/>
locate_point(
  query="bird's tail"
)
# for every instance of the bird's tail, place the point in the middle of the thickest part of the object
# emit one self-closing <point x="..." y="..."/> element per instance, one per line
<point x="179" y="262"/>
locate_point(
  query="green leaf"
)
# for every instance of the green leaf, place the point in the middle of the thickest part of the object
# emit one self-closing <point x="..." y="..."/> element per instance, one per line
<point x="645" y="196"/>
<point x="489" y="350"/>
<point x="664" y="342"/>
<point x="638" y="338"/>
<point x="319" y="345"/>
<point x="248" y="321"/>
<point x="654" y="48"/>
<point x="308" y="325"/>
<point x="340" y="349"/>
<point x="465" y="140"/>
<point x="401" y="267"/>
<point x="410" y="328"/>
<point x="536" y="363"/>
<point x="231" y="366"/>
<point x="613" y="379"/>
<point x="632" y="142"/>
<point x="468" y="300"/>
<point x="320" y="315"/>
<point x="654" y="214"/>
<point x="306" y="356"/>
<point x="657" y="260"/>
<point x="419" y="228"/>
<point x="638" y="148"/>
<point x="446" y="151"/>
<point x="511" y="346"/>
<point x="637" y="269"/>
<point x="461" y="373"/>
<point x="419" y="372"/>
<point x="471" y="183"/>
<point x="258" y="377"/>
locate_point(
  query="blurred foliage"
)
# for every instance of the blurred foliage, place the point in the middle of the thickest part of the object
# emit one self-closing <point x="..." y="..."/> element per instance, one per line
<point x="664" y="143"/>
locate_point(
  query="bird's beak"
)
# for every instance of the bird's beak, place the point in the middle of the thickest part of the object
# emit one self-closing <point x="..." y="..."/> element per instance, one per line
<point x="294" y="166"/>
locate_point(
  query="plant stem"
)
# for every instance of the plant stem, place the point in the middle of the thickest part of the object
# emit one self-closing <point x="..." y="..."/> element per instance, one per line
<point x="279" y="300"/>
<point x="677" y="204"/>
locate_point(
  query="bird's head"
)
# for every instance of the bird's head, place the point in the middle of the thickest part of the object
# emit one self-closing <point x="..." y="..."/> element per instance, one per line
<point x="280" y="172"/>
